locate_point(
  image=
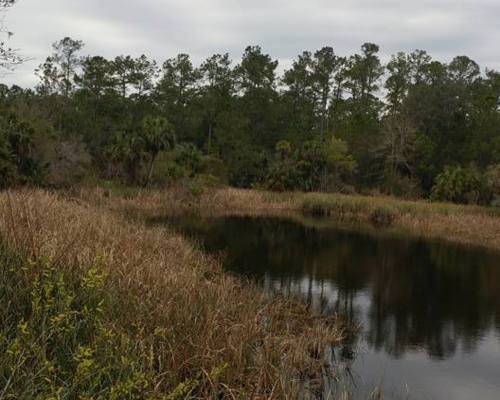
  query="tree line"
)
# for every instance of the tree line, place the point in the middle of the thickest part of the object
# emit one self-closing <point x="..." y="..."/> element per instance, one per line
<point x="414" y="127"/>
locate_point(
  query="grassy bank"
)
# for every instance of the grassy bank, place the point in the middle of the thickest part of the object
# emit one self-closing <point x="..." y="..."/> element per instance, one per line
<point x="100" y="305"/>
<point x="96" y="306"/>
<point x="469" y="225"/>
<point x="455" y="223"/>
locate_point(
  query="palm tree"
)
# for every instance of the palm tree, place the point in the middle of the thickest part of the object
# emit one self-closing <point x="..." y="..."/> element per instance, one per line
<point x="127" y="148"/>
<point x="157" y="135"/>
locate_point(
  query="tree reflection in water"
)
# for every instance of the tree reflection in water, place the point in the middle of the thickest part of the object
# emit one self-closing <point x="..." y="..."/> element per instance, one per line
<point x="408" y="295"/>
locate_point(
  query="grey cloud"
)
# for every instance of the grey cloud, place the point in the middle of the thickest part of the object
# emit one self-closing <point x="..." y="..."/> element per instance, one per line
<point x="163" y="28"/>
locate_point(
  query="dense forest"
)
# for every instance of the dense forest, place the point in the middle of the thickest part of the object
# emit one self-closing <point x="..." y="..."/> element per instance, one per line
<point x="415" y="127"/>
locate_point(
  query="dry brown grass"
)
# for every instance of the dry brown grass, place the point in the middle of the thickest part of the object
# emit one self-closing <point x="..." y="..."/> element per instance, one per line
<point x="179" y="200"/>
<point x="468" y="225"/>
<point x="208" y="321"/>
<point x="209" y="334"/>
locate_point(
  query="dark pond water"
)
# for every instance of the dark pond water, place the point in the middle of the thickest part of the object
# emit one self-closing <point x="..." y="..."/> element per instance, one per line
<point x="429" y="312"/>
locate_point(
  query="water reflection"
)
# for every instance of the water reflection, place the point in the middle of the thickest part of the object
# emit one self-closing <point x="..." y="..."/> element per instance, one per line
<point x="411" y="297"/>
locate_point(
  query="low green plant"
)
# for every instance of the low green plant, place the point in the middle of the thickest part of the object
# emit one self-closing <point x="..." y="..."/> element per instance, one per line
<point x="18" y="166"/>
<point x="462" y="185"/>
<point x="318" y="165"/>
<point x="56" y="340"/>
<point x="493" y="176"/>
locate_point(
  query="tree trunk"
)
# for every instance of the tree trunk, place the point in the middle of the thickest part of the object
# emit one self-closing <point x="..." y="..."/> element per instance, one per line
<point x="151" y="167"/>
<point x="131" y="167"/>
<point x="209" y="138"/>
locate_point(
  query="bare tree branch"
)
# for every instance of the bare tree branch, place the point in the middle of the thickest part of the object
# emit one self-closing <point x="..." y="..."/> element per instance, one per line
<point x="9" y="57"/>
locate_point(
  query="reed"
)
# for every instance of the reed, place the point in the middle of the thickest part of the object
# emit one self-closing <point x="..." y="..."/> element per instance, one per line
<point x="98" y="304"/>
<point x="101" y="306"/>
<point x="470" y="225"/>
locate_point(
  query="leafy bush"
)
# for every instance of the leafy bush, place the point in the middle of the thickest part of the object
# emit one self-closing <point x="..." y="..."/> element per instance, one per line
<point x="215" y="168"/>
<point x="493" y="176"/>
<point x="17" y="163"/>
<point x="462" y="185"/>
<point x="186" y="162"/>
<point x="315" y="166"/>
<point x="56" y="340"/>
<point x="247" y="167"/>
<point x="189" y="159"/>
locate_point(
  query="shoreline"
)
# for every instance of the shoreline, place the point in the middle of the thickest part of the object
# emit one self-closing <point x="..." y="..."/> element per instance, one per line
<point x="459" y="224"/>
<point x="160" y="292"/>
<point x="185" y="327"/>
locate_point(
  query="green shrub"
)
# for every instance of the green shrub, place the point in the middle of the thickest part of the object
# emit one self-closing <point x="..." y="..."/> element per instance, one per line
<point x="189" y="159"/>
<point x="317" y="165"/>
<point x="17" y="162"/>
<point x="462" y="185"/>
<point x="216" y="168"/>
<point x="56" y="340"/>
<point x="493" y="176"/>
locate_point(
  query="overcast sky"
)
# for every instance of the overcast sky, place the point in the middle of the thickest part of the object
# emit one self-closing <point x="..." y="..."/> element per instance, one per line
<point x="284" y="28"/>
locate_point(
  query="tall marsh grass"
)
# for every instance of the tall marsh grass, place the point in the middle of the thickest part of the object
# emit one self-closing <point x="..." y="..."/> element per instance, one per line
<point x="471" y="225"/>
<point x="98" y="307"/>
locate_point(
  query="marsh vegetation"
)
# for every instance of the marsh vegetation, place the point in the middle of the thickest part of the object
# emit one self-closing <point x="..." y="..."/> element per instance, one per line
<point x="100" y="307"/>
